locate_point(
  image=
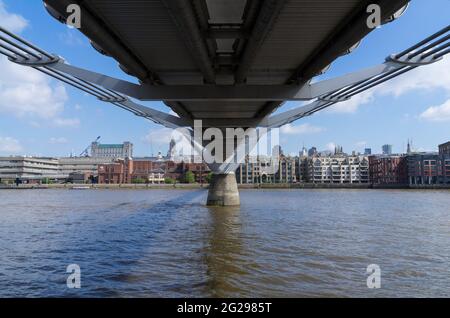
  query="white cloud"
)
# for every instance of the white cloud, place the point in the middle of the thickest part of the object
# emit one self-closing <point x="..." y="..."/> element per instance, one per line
<point x="71" y="38"/>
<point x="10" y="21"/>
<point x="300" y="129"/>
<point x="161" y="138"/>
<point x="351" y="106"/>
<point x="58" y="140"/>
<point x="10" y="145"/>
<point x="438" y="113"/>
<point x="26" y="92"/>
<point x="422" y="79"/>
<point x="66" y="122"/>
<point x="331" y="146"/>
<point x="361" y="144"/>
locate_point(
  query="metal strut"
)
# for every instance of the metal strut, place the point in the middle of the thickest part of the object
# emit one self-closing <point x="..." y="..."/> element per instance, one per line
<point x="422" y="53"/>
<point x="24" y="53"/>
<point x="326" y="93"/>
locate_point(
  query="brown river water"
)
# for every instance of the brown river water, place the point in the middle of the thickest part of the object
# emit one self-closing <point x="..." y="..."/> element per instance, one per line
<point x="278" y="243"/>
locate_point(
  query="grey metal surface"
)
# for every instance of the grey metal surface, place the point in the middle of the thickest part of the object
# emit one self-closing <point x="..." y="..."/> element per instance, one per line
<point x="172" y="42"/>
<point x="201" y="97"/>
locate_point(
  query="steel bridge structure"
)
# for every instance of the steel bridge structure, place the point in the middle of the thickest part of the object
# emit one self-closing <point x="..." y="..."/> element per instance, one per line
<point x="228" y="63"/>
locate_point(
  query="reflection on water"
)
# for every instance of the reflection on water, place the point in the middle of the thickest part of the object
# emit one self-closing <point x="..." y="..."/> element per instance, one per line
<point x="278" y="243"/>
<point x="224" y="251"/>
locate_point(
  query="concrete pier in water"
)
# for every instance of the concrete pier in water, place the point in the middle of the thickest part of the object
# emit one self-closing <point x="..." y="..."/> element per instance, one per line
<point x="223" y="190"/>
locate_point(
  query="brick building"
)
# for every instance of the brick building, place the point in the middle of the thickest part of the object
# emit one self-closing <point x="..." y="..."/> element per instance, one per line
<point x="200" y="170"/>
<point x="116" y="173"/>
<point x="429" y="168"/>
<point x="145" y="167"/>
<point x="388" y="169"/>
<point x="444" y="149"/>
<point x="149" y="170"/>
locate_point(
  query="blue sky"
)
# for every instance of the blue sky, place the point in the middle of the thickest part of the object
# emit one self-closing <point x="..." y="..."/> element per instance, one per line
<point x="39" y="116"/>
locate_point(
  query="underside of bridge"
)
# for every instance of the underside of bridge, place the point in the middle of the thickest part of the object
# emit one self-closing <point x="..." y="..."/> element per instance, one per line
<point x="228" y="63"/>
<point x="223" y="42"/>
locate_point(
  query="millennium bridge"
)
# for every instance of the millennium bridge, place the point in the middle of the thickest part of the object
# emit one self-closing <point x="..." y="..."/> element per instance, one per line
<point x="228" y="63"/>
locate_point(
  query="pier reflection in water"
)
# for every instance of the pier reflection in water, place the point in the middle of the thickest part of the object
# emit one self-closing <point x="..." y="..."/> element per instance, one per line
<point x="277" y="243"/>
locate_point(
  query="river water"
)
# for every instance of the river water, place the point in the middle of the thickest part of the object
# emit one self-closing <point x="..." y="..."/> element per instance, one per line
<point x="279" y="243"/>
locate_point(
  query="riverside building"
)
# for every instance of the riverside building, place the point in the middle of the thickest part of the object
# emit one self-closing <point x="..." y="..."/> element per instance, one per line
<point x="115" y="151"/>
<point x="429" y="169"/>
<point x="85" y="166"/>
<point x="339" y="168"/>
<point x="388" y="169"/>
<point x="265" y="169"/>
<point x="28" y="169"/>
<point x="444" y="149"/>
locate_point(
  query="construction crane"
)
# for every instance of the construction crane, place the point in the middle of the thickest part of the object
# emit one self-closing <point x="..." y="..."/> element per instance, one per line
<point x="85" y="153"/>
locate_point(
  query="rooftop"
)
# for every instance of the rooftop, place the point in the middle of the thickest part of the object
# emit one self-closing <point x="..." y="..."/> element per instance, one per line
<point x="110" y="145"/>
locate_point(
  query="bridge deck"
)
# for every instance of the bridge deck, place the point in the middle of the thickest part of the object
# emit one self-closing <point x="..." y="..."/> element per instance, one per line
<point x="225" y="42"/>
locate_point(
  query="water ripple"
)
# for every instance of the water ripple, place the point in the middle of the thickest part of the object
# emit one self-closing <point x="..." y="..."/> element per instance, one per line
<point x="306" y="243"/>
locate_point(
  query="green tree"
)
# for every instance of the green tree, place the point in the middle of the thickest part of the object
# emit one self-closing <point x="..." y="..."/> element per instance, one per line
<point x="169" y="181"/>
<point x="208" y="178"/>
<point x="138" y="181"/>
<point x="189" y="177"/>
<point x="46" y="181"/>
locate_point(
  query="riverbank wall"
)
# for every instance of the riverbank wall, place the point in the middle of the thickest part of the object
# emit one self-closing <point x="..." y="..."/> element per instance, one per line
<point x="205" y="186"/>
<point x="103" y="186"/>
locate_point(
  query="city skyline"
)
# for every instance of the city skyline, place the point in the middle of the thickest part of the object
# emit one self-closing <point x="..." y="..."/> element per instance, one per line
<point x="331" y="150"/>
<point x="42" y="117"/>
<point x="115" y="164"/>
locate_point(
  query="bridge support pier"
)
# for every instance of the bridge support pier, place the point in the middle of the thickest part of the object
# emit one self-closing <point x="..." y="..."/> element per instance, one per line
<point x="223" y="190"/>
